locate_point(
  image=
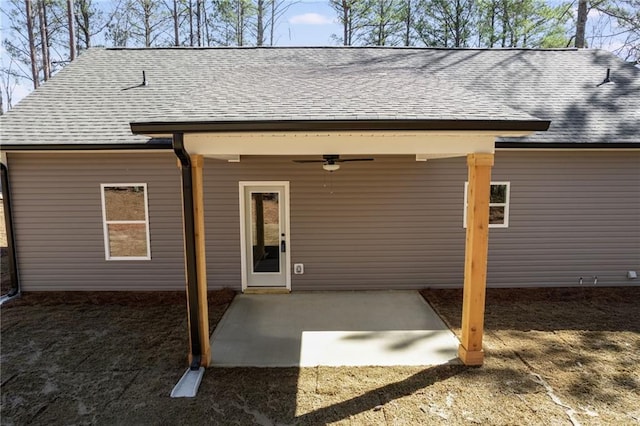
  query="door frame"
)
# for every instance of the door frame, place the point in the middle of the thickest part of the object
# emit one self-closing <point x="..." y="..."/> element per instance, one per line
<point x="243" y="232"/>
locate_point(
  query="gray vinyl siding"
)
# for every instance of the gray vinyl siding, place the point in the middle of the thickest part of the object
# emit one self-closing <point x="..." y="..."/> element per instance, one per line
<point x="58" y="221"/>
<point x="389" y="224"/>
<point x="573" y="214"/>
<point x="397" y="223"/>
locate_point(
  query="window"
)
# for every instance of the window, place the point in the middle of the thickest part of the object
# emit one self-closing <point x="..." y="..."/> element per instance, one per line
<point x="498" y="204"/>
<point x="125" y="221"/>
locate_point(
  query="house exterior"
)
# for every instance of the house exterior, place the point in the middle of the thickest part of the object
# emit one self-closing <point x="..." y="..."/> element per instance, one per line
<point x="533" y="143"/>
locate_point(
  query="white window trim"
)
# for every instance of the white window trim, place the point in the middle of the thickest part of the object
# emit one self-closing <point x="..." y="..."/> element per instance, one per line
<point x="505" y="205"/>
<point x="105" y="222"/>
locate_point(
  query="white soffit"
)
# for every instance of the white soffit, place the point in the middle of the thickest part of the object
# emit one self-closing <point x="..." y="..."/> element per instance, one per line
<point x="230" y="158"/>
<point x="430" y="143"/>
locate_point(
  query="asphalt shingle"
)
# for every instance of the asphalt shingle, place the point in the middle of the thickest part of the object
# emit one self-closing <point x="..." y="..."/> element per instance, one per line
<point x="93" y="100"/>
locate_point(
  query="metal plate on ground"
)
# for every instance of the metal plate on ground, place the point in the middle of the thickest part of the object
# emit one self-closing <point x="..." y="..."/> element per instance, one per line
<point x="188" y="385"/>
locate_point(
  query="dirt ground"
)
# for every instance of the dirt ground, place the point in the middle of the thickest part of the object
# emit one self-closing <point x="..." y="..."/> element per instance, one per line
<point x="5" y="280"/>
<point x="553" y="357"/>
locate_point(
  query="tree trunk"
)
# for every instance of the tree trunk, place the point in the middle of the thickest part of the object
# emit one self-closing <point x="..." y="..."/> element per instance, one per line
<point x="581" y="24"/>
<point x="205" y="23"/>
<point x="273" y="21"/>
<point x="345" y="21"/>
<point x="191" y="23"/>
<point x="240" y="24"/>
<point x="85" y="24"/>
<point x="492" y="36"/>
<point x="379" y="41"/>
<point x="176" y="29"/>
<point x="72" y="31"/>
<point x="147" y="23"/>
<point x="44" y="39"/>
<point x="199" y="22"/>
<point x="458" y="30"/>
<point x="407" y="34"/>
<point x="505" y="23"/>
<point x="260" y="29"/>
<point x="32" y="45"/>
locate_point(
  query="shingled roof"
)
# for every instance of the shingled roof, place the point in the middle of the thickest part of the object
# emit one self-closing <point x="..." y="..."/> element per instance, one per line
<point x="94" y="99"/>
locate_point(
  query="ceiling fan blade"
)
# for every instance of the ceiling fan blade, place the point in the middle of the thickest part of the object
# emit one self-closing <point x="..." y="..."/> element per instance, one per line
<point x="332" y="159"/>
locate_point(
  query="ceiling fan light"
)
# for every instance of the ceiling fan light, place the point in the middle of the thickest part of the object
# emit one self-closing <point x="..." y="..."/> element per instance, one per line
<point x="331" y="167"/>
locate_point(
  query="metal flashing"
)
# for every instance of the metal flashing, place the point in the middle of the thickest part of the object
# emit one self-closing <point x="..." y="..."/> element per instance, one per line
<point x="157" y="144"/>
<point x="160" y="127"/>
<point x="567" y="145"/>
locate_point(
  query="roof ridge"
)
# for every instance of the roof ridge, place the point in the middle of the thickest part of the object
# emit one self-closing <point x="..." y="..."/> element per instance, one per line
<point x="491" y="49"/>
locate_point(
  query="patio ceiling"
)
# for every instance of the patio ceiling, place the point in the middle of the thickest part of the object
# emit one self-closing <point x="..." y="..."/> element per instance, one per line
<point x="473" y="139"/>
<point x="436" y="143"/>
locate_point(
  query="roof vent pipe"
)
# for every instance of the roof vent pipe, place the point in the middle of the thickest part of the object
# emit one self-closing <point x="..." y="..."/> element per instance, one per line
<point x="144" y="79"/>
<point x="607" y="79"/>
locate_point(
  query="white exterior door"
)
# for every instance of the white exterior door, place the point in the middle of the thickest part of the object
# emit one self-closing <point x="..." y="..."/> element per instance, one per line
<point x="264" y="220"/>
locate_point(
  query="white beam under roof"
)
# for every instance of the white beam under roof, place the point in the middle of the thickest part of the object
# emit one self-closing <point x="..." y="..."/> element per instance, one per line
<point x="430" y="144"/>
<point x="230" y="158"/>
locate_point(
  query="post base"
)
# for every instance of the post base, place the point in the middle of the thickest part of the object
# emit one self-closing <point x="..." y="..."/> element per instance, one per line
<point x="205" y="360"/>
<point x="470" y="357"/>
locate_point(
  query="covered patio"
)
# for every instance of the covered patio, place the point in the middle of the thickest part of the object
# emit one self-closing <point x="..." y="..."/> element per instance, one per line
<point x="308" y="329"/>
<point x="427" y="140"/>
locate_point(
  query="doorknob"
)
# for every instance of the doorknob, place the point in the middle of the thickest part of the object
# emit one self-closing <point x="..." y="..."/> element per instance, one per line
<point x="283" y="245"/>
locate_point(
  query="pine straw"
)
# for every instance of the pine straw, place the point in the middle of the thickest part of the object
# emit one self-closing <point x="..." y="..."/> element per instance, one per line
<point x="123" y="298"/>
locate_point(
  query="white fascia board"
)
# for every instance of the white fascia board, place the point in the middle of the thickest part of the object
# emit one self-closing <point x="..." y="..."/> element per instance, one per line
<point x="341" y="143"/>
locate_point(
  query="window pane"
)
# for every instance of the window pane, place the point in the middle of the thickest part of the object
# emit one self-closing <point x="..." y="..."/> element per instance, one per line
<point x="127" y="239"/>
<point x="496" y="215"/>
<point x="265" y="228"/>
<point x="124" y="202"/>
<point x="498" y="193"/>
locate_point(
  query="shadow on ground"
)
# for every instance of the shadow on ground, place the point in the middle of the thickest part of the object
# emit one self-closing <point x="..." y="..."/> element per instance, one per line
<point x="115" y="361"/>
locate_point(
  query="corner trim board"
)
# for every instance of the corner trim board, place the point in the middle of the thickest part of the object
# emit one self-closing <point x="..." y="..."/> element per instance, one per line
<point x="8" y="218"/>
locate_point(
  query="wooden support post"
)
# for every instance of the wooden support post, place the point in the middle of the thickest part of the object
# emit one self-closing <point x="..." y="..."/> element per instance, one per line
<point x="475" y="262"/>
<point x="197" y="164"/>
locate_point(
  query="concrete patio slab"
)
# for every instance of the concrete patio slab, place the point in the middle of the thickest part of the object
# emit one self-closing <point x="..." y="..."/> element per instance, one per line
<point x="364" y="328"/>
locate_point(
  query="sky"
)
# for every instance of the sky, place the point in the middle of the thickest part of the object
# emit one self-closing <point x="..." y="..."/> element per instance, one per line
<point x="308" y="23"/>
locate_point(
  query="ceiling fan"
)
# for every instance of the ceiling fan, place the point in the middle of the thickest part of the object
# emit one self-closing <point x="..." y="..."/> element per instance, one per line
<point x="330" y="161"/>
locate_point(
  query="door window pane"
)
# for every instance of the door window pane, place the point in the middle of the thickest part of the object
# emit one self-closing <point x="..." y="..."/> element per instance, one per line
<point x="265" y="231"/>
